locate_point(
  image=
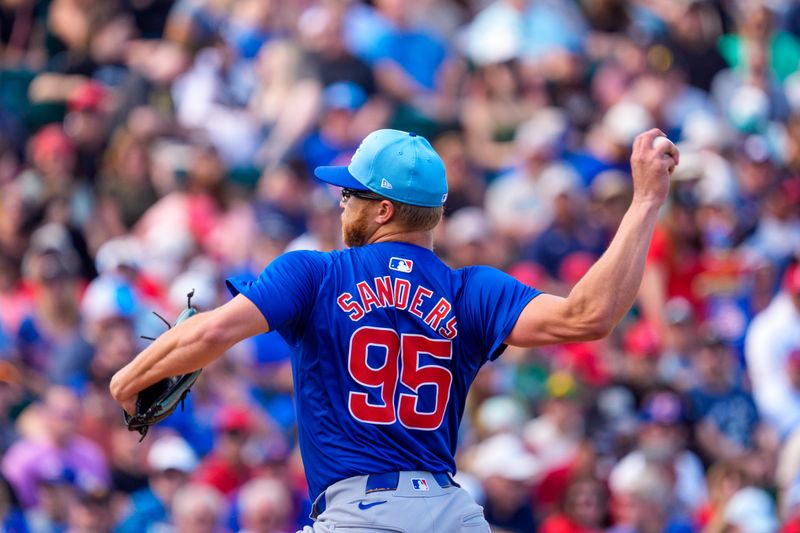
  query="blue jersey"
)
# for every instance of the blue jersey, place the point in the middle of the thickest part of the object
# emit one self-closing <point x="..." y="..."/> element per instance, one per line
<point x="387" y="340"/>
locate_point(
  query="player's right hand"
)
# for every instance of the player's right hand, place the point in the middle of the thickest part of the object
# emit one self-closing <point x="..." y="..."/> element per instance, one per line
<point x="128" y="404"/>
<point x="651" y="167"/>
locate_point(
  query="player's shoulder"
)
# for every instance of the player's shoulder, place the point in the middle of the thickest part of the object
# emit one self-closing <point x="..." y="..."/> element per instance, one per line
<point x="308" y="257"/>
<point x="480" y="273"/>
<point x="481" y="282"/>
<point x="311" y="265"/>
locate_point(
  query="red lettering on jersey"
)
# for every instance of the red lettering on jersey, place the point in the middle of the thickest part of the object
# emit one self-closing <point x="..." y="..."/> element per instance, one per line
<point x="368" y="298"/>
<point x="438" y="313"/>
<point x="383" y="378"/>
<point x="421" y="293"/>
<point x="356" y="312"/>
<point x="383" y="286"/>
<point x="414" y="376"/>
<point x="402" y="288"/>
<point x="449" y="331"/>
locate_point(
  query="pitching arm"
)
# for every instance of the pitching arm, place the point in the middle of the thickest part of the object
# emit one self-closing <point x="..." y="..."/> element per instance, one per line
<point x="603" y="296"/>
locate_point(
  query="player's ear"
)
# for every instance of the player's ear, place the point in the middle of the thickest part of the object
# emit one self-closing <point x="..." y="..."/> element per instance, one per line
<point x="385" y="212"/>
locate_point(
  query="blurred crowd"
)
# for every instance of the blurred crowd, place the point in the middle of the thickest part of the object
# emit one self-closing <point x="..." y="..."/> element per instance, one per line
<point x="152" y="147"/>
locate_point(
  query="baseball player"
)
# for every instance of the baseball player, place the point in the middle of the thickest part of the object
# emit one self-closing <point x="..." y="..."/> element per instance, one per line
<point x="388" y="339"/>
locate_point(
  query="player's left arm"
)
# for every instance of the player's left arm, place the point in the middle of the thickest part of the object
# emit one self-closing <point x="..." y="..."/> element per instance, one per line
<point x="190" y="345"/>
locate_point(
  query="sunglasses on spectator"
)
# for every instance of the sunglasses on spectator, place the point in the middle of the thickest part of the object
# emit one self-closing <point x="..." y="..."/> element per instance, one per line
<point x="235" y="433"/>
<point x="364" y="195"/>
<point x="170" y="473"/>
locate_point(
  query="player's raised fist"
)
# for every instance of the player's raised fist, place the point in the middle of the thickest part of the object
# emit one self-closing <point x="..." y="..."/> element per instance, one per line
<point x="653" y="159"/>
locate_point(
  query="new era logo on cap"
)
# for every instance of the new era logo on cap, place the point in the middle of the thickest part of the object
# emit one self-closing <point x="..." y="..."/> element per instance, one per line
<point x="401" y="265"/>
<point x="420" y="485"/>
<point x="396" y="164"/>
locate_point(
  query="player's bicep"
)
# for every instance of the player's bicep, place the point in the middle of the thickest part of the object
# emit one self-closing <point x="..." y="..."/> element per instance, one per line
<point x="548" y="319"/>
<point x="238" y="319"/>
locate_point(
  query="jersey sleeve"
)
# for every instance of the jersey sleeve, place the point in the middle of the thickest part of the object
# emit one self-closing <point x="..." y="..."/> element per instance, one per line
<point x="285" y="291"/>
<point x="492" y="303"/>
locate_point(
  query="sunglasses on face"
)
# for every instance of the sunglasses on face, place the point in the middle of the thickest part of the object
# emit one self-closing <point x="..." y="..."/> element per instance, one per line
<point x="364" y="195"/>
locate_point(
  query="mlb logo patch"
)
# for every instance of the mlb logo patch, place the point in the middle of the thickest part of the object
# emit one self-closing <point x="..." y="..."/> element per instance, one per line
<point x="401" y="265"/>
<point x="420" y="484"/>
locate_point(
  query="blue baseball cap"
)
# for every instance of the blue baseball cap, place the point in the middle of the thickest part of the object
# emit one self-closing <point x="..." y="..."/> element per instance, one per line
<point x="344" y="95"/>
<point x="396" y="164"/>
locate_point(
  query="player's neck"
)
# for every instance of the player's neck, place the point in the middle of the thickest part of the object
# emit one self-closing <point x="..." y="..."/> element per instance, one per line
<point x="419" y="238"/>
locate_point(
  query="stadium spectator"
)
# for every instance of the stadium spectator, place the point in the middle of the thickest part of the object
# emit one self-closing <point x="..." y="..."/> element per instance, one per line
<point x="226" y="468"/>
<point x="584" y="509"/>
<point x="723" y="480"/>
<point x="773" y="335"/>
<point x="661" y="450"/>
<point x="198" y="509"/>
<point x="265" y="506"/>
<point x="170" y="461"/>
<point x="520" y="202"/>
<point x="55" y="498"/>
<point x="91" y="511"/>
<point x="555" y="435"/>
<point x="506" y="471"/>
<point x="725" y="417"/>
<point x="49" y="444"/>
<point x="642" y="500"/>
<point x="751" y="509"/>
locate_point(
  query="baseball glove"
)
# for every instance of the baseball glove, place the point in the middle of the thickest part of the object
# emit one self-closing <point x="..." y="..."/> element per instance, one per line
<point x="159" y="400"/>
